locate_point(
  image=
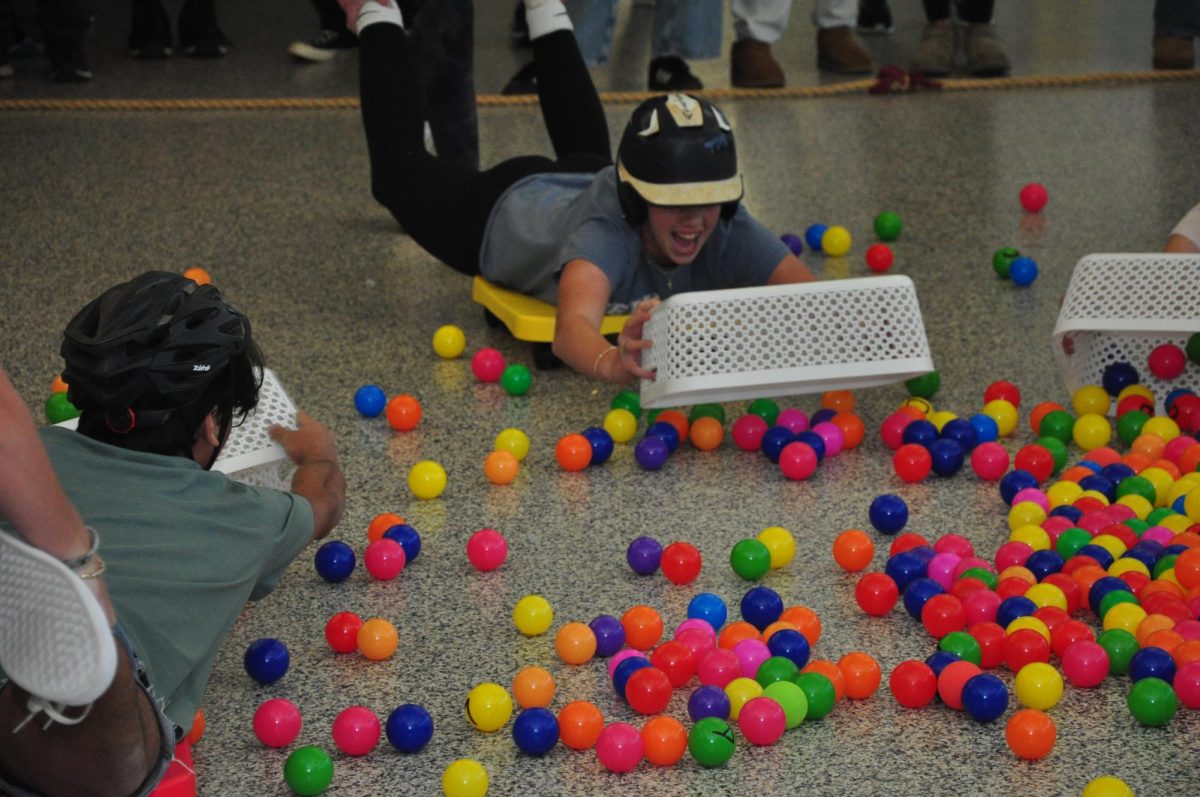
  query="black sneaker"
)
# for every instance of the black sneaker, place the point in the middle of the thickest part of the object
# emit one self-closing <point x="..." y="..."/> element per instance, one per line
<point x="210" y="44"/>
<point x="67" y="62"/>
<point x="151" y="49"/>
<point x="199" y="35"/>
<point x="323" y="46"/>
<point x="524" y="82"/>
<point x="671" y="73"/>
<point x="875" y="17"/>
<point x="149" y="31"/>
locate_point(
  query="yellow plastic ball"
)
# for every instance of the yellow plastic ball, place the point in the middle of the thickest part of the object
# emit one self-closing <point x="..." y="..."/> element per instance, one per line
<point x="1161" y="480"/>
<point x="449" y="342"/>
<point x="780" y="543"/>
<point x="1033" y="536"/>
<point x="1177" y="523"/>
<point x="1136" y="390"/>
<point x="1112" y="544"/>
<point x="1169" y="575"/>
<point x="1127" y="565"/>
<point x="1091" y="400"/>
<point x="514" y="441"/>
<point x="1091" y="431"/>
<point x="1162" y="426"/>
<point x="621" y="424"/>
<point x="1140" y="506"/>
<point x="1025" y="513"/>
<point x="1003" y="413"/>
<point x="941" y="418"/>
<point x="1062" y="493"/>
<point x="1038" y="685"/>
<point x="1099" y="496"/>
<point x="489" y="706"/>
<point x="426" y="479"/>
<point x="465" y="778"/>
<point x="741" y="691"/>
<point x="1028" y="622"/>
<point x="1126" y="616"/>
<point x="1180" y="488"/>
<point x="533" y="615"/>
<point x="922" y="404"/>
<point x="1107" y="786"/>
<point x="836" y="241"/>
<point x="1047" y="595"/>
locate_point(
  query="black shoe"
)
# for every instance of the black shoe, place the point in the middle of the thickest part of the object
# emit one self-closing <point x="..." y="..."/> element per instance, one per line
<point x="671" y="73"/>
<point x="874" y="16"/>
<point x="210" y="44"/>
<point x="67" y="62"/>
<point x="323" y="46"/>
<point x="524" y="82"/>
<point x="151" y="49"/>
<point x="199" y="35"/>
<point x="149" y="31"/>
<point x="519" y="30"/>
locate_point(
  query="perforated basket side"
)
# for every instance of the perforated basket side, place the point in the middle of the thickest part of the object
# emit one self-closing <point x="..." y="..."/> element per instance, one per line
<point x="785" y="340"/>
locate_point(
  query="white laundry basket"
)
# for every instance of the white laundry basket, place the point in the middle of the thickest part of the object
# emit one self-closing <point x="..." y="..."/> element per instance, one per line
<point x="250" y="455"/>
<point x="1118" y="308"/>
<point x="783" y="340"/>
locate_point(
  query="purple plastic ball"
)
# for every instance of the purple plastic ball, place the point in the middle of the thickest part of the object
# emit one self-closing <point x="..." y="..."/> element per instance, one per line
<point x="610" y="634"/>
<point x="651" y="453"/>
<point x="709" y="701"/>
<point x="643" y="555"/>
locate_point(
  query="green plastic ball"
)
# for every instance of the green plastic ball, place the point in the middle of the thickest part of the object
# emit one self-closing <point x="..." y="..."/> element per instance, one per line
<point x="766" y="409"/>
<point x="59" y="409"/>
<point x="887" y="226"/>
<point x="1113" y="598"/>
<point x="1157" y="516"/>
<point x="791" y="697"/>
<point x="1120" y="646"/>
<point x="1193" y="348"/>
<point x="964" y="645"/>
<point x="1058" y="450"/>
<point x="627" y="400"/>
<point x="1152" y="702"/>
<point x="711" y="742"/>
<point x="1002" y="261"/>
<point x="1071" y="540"/>
<point x="707" y="411"/>
<point x="308" y="770"/>
<point x="1137" y="485"/>
<point x="819" y="691"/>
<point x="1129" y="425"/>
<point x="925" y="385"/>
<point x="750" y="559"/>
<point x="983" y="574"/>
<point x="516" y="380"/>
<point x="1164" y="564"/>
<point x="775" y="669"/>
<point x="1058" y="424"/>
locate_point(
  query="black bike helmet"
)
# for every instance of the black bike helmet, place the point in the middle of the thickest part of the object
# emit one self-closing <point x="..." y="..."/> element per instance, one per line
<point x="677" y="150"/>
<point x="148" y="347"/>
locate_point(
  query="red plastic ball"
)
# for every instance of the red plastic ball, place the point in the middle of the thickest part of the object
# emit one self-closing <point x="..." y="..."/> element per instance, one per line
<point x="748" y="432"/>
<point x="1167" y="361"/>
<point x="892" y="429"/>
<point x="879" y="258"/>
<point x="1135" y="402"/>
<point x="341" y="632"/>
<point x="356" y="731"/>
<point x="1034" y="197"/>
<point x="1037" y="460"/>
<point x="989" y="461"/>
<point x="942" y="614"/>
<point x="487" y="365"/>
<point x="384" y="559"/>
<point x="952" y="679"/>
<point x="906" y="542"/>
<point x="797" y="461"/>
<point x="913" y="683"/>
<point x="487" y="549"/>
<point x="876" y="594"/>
<point x="648" y="691"/>
<point x="676" y="660"/>
<point x="1003" y="389"/>
<point x="1025" y="646"/>
<point x="680" y="562"/>
<point x="912" y="462"/>
<point x="990" y="637"/>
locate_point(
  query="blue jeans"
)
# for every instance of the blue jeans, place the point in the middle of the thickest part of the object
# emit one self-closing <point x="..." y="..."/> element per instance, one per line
<point x="1177" y="18"/>
<point x="686" y="28"/>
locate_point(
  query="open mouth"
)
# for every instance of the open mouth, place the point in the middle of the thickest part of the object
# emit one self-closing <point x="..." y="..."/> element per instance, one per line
<point x="685" y="244"/>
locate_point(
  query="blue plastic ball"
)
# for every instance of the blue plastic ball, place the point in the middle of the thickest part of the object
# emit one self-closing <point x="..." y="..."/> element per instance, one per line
<point x="334" y="561"/>
<point x="985" y="697"/>
<point x="938" y="660"/>
<point x="644" y="555"/>
<point x="888" y="513"/>
<point x="408" y="538"/>
<point x="666" y="431"/>
<point x="266" y="660"/>
<point x="1100" y="485"/>
<point x="1043" y="563"/>
<point x="1118" y="376"/>
<point x="625" y="670"/>
<point x="947" y="456"/>
<point x="923" y="433"/>
<point x="774" y="440"/>
<point x="986" y="428"/>
<point x="814" y="441"/>
<point x="1014" y="482"/>
<point x="794" y="243"/>
<point x="1023" y="271"/>
<point x="370" y="400"/>
<point x="1152" y="662"/>
<point x="1071" y="513"/>
<point x="610" y="635"/>
<point x="1094" y="467"/>
<point x="602" y="444"/>
<point x="651" y="453"/>
<point x="1116" y="472"/>
<point x="761" y="606"/>
<point x="1100" y="554"/>
<point x="709" y="701"/>
<point x="1012" y="608"/>
<point x="961" y="432"/>
<point x="813" y="235"/>
<point x="918" y="594"/>
<point x="710" y="608"/>
<point x="790" y="644"/>
<point x="1102" y="586"/>
<point x="535" y="731"/>
<point x="821" y="416"/>
<point x="409" y="728"/>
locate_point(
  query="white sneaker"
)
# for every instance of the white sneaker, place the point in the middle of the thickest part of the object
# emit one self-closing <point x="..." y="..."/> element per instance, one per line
<point x="55" y="641"/>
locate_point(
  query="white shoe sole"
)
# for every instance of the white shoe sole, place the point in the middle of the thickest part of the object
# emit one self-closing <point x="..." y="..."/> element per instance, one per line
<point x="55" y="642"/>
<point x="306" y="52"/>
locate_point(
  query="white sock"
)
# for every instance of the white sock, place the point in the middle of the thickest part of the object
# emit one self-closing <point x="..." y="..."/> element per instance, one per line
<point x="372" y="12"/>
<point x="546" y="16"/>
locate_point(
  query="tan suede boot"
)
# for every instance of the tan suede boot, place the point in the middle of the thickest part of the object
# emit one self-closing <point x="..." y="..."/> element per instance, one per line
<point x="839" y="50"/>
<point x="1174" y="52"/>
<point x="752" y="66"/>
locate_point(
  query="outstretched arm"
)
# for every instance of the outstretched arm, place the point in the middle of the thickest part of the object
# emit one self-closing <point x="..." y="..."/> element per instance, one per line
<point x="790" y="270"/>
<point x="318" y="476"/>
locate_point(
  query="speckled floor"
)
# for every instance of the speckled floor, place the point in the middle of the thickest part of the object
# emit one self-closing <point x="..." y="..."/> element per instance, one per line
<point x="276" y="205"/>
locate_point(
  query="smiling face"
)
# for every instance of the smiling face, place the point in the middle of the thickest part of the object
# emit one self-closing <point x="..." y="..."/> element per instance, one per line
<point x="675" y="235"/>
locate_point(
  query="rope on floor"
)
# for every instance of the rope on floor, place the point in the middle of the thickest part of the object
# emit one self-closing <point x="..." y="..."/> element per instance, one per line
<point x="611" y="97"/>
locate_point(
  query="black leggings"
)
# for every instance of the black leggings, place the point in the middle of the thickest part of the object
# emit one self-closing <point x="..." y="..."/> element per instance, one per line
<point x="445" y="205"/>
<point x="973" y="11"/>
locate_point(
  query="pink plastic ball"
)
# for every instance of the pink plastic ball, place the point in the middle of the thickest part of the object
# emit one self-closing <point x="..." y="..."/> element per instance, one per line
<point x="620" y="747"/>
<point x="356" y="730"/>
<point x="792" y="419"/>
<point x="718" y="668"/>
<point x="1177" y="446"/>
<point x="487" y="549"/>
<point x="981" y="606"/>
<point x="697" y="641"/>
<point x="797" y="461"/>
<point x="832" y="435"/>
<point x="1159" y="534"/>
<point x="1085" y="663"/>
<point x="989" y="461"/>
<point x="620" y="656"/>
<point x="699" y="625"/>
<point x="1167" y="361"/>
<point x="1187" y="684"/>
<point x="892" y="429"/>
<point x="748" y="432"/>
<point x="1188" y="629"/>
<point x="1012" y="554"/>
<point x="751" y="653"/>
<point x="1120" y="512"/>
<point x="1033" y="494"/>
<point x="941" y="569"/>
<point x="487" y="365"/>
<point x="384" y="559"/>
<point x="762" y="721"/>
<point x="955" y="544"/>
<point x="1034" y="197"/>
<point x="277" y="722"/>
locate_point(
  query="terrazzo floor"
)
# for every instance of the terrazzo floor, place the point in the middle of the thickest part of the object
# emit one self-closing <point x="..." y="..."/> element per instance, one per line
<point x="275" y="204"/>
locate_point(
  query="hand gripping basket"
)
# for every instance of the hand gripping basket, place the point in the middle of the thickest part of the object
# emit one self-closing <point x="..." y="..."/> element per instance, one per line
<point x="250" y="455"/>
<point x="784" y="340"/>
<point x="1118" y="308"/>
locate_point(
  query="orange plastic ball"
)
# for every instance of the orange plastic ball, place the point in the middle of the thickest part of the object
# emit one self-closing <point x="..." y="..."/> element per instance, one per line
<point x="573" y="452"/>
<point x="853" y="429"/>
<point x="403" y="413"/>
<point x="575" y="643"/>
<point x="1187" y="568"/>
<point x="381" y="523"/>
<point x="198" y="275"/>
<point x="853" y="550"/>
<point x="59" y="386"/>
<point x="533" y="687"/>
<point x="707" y="433"/>
<point x="1151" y="624"/>
<point x="501" y="467"/>
<point x="643" y="627"/>
<point x="734" y="633"/>
<point x="778" y="625"/>
<point x="1041" y="411"/>
<point x="1167" y="639"/>
<point x="1150" y="446"/>
<point x="664" y="740"/>
<point x="1138" y="462"/>
<point x="806" y="622"/>
<point x="1186" y="653"/>
<point x="197" y="731"/>
<point x="677" y="419"/>
<point x="830" y="671"/>
<point x="1030" y="734"/>
<point x="377" y="639"/>
<point x="1189" y="460"/>
<point x="579" y="724"/>
<point x="838" y="400"/>
<point x="861" y="673"/>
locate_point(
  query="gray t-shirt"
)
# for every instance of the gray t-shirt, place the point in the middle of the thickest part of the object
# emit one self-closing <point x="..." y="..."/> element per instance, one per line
<point x="546" y="220"/>
<point x="185" y="549"/>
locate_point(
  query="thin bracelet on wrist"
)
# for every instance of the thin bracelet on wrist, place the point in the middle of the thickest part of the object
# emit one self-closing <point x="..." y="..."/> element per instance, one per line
<point x="93" y="545"/>
<point x="599" y="357"/>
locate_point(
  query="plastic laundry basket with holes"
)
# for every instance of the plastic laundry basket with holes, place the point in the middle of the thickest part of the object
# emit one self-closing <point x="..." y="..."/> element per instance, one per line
<point x="784" y="340"/>
<point x="250" y="455"/>
<point x="1118" y="308"/>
